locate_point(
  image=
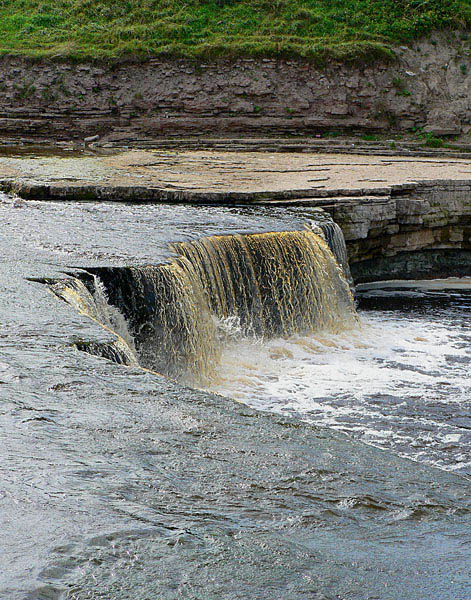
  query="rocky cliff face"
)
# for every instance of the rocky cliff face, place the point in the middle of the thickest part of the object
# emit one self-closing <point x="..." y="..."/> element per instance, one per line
<point x="428" y="86"/>
<point x="413" y="231"/>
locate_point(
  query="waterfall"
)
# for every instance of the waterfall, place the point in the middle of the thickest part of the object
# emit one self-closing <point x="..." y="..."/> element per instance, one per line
<point x="95" y="305"/>
<point x="333" y="235"/>
<point x="268" y="284"/>
<point x="275" y="283"/>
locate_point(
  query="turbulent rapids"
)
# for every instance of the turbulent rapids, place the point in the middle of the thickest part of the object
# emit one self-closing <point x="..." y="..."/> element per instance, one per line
<point x="176" y="317"/>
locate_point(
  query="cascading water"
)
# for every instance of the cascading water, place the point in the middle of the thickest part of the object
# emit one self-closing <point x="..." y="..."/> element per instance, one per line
<point x="95" y="305"/>
<point x="333" y="236"/>
<point x="269" y="284"/>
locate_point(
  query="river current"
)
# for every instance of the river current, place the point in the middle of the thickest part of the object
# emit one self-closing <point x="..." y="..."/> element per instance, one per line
<point x="400" y="380"/>
<point x="119" y="484"/>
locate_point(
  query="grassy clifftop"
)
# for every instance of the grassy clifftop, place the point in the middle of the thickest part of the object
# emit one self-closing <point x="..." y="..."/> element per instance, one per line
<point x="315" y="29"/>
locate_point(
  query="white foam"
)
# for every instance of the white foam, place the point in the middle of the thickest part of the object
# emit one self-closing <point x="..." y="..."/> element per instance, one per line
<point x="385" y="382"/>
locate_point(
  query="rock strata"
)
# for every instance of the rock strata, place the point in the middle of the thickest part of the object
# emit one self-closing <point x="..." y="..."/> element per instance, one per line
<point x="418" y="231"/>
<point x="427" y="86"/>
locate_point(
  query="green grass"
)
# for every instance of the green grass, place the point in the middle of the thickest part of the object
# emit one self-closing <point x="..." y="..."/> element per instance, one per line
<point x="319" y="30"/>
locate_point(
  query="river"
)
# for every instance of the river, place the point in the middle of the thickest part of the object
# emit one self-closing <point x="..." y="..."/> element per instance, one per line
<point x="340" y="470"/>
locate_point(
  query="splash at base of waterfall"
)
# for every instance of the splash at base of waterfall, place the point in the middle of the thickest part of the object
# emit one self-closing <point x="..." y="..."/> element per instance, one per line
<point x="399" y="381"/>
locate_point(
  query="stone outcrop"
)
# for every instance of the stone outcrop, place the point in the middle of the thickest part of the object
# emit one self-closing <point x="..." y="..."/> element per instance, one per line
<point x="409" y="231"/>
<point x="413" y="231"/>
<point x="427" y="86"/>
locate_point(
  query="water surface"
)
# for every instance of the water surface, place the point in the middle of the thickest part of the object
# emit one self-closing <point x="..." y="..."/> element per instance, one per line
<point x="118" y="484"/>
<point x="400" y="380"/>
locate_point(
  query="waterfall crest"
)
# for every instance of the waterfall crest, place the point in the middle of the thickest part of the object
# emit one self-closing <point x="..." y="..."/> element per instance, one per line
<point x="268" y="284"/>
<point x="275" y="283"/>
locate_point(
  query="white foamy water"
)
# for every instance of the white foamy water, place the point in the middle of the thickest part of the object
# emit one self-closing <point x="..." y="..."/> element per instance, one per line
<point x="400" y="380"/>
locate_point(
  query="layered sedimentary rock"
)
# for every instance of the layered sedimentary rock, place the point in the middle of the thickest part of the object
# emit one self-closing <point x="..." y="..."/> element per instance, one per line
<point x="410" y="231"/>
<point x="427" y="86"/>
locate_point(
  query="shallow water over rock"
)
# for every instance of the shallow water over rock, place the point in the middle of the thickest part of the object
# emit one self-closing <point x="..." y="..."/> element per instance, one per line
<point x="120" y="484"/>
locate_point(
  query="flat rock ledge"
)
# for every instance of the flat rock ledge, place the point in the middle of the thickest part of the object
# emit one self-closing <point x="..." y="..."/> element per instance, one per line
<point x="409" y="229"/>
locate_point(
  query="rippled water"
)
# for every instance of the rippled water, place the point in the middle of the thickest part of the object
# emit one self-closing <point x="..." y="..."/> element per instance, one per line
<point x="400" y="381"/>
<point x="114" y="233"/>
<point x="117" y="484"/>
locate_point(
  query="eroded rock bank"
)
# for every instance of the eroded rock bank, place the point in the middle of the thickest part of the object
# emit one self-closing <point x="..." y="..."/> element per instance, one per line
<point x="415" y="231"/>
<point x="427" y="86"/>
